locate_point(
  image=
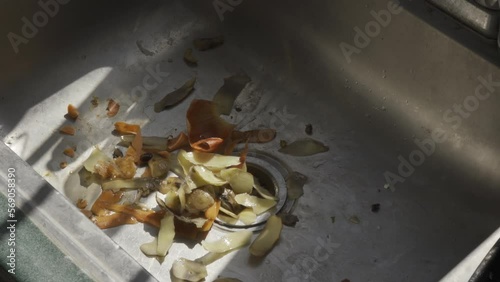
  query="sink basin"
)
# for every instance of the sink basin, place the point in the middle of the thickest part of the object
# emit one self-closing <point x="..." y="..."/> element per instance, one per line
<point x="406" y="99"/>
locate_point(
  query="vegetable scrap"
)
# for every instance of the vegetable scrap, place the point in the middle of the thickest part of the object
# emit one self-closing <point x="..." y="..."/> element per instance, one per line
<point x="207" y="131"/>
<point x="283" y="144"/>
<point x="70" y="152"/>
<point x="267" y="237"/>
<point x="112" y="108"/>
<point x="68" y="130"/>
<point x="354" y="219"/>
<point x="203" y="44"/>
<point x="81" y="203"/>
<point x="189" y="58"/>
<point x="227" y="94"/>
<point x="231" y="241"/>
<point x="304" y="147"/>
<point x="189" y="270"/>
<point x="295" y="185"/>
<point x="143" y="49"/>
<point x="195" y="180"/>
<point x="72" y="112"/>
<point x="175" y="97"/>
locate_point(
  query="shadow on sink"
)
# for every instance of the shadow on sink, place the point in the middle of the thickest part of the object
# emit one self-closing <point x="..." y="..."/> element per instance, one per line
<point x="369" y="108"/>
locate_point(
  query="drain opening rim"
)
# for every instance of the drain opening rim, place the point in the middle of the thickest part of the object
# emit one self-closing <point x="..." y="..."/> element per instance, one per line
<point x="277" y="172"/>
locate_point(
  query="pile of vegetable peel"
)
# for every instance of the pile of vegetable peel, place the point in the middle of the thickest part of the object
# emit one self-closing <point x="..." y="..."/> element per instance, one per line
<point x="195" y="177"/>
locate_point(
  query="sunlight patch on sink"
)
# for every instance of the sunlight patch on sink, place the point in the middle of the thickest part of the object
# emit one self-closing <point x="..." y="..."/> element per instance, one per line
<point x="35" y="137"/>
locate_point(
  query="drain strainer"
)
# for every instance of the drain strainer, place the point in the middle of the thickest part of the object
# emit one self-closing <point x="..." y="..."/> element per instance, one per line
<point x="271" y="174"/>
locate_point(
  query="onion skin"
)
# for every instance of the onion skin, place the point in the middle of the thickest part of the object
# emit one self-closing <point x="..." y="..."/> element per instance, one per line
<point x="206" y="130"/>
<point x="178" y="142"/>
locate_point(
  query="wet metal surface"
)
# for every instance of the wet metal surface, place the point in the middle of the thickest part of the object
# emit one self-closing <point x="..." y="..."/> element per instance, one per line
<point x="400" y="109"/>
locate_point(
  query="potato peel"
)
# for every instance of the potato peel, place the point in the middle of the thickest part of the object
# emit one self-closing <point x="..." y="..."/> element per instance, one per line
<point x="202" y="176"/>
<point x="229" y="242"/>
<point x="241" y="182"/>
<point x="247" y="216"/>
<point x="150" y="249"/>
<point x="188" y="270"/>
<point x="258" y="205"/>
<point x="211" y="161"/>
<point x="267" y="237"/>
<point x="166" y="235"/>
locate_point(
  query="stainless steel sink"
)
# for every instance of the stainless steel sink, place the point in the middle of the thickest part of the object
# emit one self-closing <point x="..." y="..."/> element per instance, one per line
<point x="406" y="100"/>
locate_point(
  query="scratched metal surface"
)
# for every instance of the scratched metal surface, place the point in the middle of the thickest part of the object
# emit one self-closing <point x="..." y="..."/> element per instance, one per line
<point x="367" y="109"/>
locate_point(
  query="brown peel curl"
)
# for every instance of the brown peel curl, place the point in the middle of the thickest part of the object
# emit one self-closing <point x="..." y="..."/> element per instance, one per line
<point x="207" y="131"/>
<point x="135" y="149"/>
